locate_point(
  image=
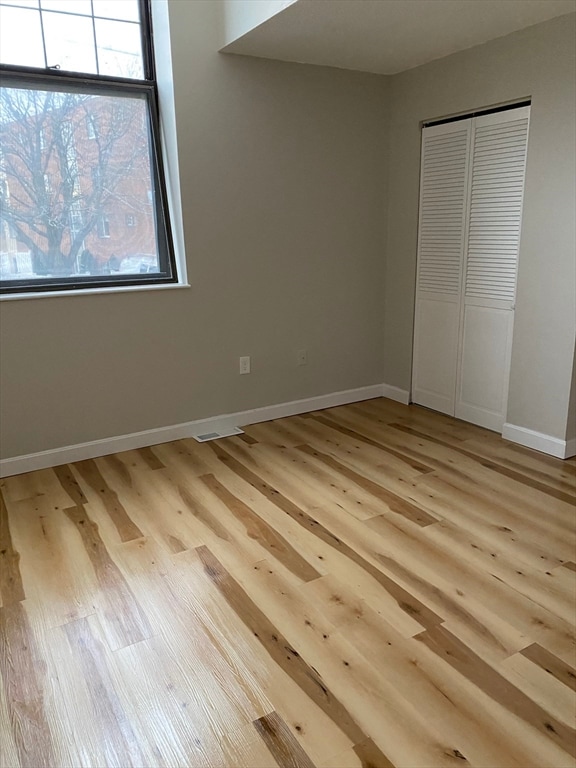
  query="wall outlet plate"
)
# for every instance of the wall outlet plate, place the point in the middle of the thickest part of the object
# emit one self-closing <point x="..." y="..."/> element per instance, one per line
<point x="245" y="364"/>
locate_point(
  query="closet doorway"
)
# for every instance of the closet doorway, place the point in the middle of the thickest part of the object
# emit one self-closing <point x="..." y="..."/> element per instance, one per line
<point x="471" y="192"/>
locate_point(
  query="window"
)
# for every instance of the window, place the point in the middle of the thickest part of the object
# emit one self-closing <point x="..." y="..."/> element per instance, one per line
<point x="103" y="226"/>
<point x="91" y="130"/>
<point x="79" y="138"/>
<point x="76" y="220"/>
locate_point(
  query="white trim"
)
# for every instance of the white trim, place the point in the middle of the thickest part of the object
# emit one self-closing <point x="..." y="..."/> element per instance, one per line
<point x="395" y="393"/>
<point x="92" y="291"/>
<point x="95" y="448"/>
<point x="562" y="449"/>
<point x="168" y="131"/>
<point x="539" y="441"/>
<point x="482" y="417"/>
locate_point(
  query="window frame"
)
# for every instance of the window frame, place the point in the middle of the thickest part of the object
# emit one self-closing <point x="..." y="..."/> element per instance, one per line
<point x="16" y="76"/>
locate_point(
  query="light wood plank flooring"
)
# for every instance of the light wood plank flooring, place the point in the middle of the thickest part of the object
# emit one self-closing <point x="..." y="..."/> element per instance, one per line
<point x="368" y="586"/>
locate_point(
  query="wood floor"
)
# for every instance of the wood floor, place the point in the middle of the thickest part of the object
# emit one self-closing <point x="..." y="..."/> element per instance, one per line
<point x="369" y="586"/>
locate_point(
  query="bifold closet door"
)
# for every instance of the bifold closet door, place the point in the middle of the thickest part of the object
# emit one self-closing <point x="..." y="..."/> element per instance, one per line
<point x="441" y="242"/>
<point x="498" y="163"/>
<point x="471" y="190"/>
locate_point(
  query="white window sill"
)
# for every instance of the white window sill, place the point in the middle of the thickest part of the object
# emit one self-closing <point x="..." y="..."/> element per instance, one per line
<point x="92" y="291"/>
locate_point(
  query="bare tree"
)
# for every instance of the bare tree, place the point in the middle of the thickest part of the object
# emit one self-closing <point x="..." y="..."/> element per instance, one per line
<point x="63" y="159"/>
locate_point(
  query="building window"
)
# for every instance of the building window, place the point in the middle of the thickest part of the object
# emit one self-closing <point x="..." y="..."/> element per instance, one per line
<point x="91" y="130"/>
<point x="103" y="227"/>
<point x="80" y="137"/>
<point x="76" y="220"/>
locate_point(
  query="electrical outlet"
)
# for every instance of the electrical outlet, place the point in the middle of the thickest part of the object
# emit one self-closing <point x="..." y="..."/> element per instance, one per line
<point x="302" y="357"/>
<point x="245" y="364"/>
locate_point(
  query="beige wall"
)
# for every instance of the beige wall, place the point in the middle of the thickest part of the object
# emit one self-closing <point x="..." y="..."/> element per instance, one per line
<point x="283" y="174"/>
<point x="537" y="62"/>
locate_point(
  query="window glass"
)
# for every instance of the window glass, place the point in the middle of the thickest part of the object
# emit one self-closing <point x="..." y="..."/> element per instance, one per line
<point x="19" y="3"/>
<point x="119" y="48"/>
<point x="63" y="34"/>
<point x="26" y="50"/>
<point x="68" y="6"/>
<point x="69" y="42"/>
<point x="73" y="205"/>
<point x="126" y="10"/>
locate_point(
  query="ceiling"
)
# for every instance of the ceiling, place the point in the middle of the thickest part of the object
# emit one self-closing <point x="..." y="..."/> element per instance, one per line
<point x="388" y="36"/>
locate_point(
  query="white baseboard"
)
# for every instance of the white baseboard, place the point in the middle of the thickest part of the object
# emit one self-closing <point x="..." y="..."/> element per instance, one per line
<point x="395" y="393"/>
<point x="553" y="446"/>
<point x="95" y="448"/>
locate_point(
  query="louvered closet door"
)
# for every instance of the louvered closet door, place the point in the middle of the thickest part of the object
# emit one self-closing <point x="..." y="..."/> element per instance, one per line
<point x="499" y="144"/>
<point x="441" y="241"/>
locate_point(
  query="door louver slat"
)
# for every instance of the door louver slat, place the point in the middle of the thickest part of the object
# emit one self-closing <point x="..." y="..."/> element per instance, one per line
<point x="499" y="155"/>
<point x="443" y="188"/>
